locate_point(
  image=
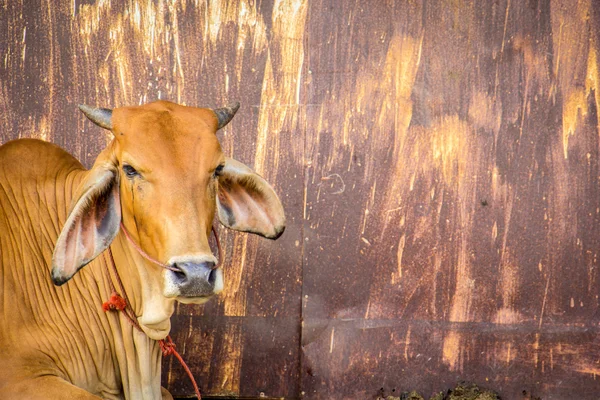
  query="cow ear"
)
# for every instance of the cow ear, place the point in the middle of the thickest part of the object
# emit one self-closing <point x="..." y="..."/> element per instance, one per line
<point x="92" y="224"/>
<point x="247" y="203"/>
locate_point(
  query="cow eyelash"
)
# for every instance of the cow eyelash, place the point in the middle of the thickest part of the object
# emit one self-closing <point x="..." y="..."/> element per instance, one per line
<point x="219" y="170"/>
<point x="130" y="171"/>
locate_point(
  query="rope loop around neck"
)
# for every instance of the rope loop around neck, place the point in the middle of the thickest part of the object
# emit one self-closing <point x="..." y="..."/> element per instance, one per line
<point x="120" y="303"/>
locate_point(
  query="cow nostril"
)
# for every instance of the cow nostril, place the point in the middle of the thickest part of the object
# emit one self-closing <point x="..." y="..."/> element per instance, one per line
<point x="179" y="273"/>
<point x="194" y="279"/>
<point x="212" y="277"/>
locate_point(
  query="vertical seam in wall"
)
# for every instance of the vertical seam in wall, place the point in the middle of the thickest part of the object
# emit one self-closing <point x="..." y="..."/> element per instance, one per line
<point x="305" y="175"/>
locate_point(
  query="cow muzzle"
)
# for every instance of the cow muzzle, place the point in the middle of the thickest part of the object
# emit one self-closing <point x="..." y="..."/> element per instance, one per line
<point x="190" y="280"/>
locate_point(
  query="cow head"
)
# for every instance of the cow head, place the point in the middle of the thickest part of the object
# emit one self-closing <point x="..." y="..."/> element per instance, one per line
<point x="165" y="177"/>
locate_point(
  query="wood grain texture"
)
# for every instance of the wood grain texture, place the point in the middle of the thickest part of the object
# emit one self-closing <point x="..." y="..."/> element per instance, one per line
<point x="452" y="200"/>
<point x="439" y="162"/>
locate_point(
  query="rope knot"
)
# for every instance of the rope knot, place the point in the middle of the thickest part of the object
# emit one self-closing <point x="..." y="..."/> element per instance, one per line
<point x="115" y="303"/>
<point x="167" y="346"/>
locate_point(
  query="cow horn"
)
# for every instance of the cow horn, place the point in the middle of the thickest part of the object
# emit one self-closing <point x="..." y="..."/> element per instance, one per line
<point x="225" y="114"/>
<point x="100" y="116"/>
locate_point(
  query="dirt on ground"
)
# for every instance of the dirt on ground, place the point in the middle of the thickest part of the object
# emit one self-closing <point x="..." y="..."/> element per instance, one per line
<point x="462" y="391"/>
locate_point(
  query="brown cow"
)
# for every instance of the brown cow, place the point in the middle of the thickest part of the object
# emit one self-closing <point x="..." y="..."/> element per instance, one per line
<point x="164" y="176"/>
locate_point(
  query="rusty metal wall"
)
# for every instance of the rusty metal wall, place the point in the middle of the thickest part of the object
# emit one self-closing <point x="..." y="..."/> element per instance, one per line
<point x="439" y="163"/>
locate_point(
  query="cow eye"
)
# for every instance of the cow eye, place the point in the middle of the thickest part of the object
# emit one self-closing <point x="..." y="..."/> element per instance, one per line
<point x="130" y="171"/>
<point x="219" y="170"/>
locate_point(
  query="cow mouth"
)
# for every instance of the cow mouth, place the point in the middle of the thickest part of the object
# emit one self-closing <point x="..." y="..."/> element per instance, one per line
<point x="194" y="300"/>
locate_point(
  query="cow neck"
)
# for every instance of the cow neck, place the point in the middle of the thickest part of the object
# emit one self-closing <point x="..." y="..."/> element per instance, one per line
<point x="121" y="303"/>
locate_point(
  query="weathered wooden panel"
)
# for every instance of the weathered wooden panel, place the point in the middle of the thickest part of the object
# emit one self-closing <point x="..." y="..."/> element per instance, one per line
<point x="439" y="163"/>
<point x="452" y="216"/>
<point x="354" y="359"/>
<point x="268" y="361"/>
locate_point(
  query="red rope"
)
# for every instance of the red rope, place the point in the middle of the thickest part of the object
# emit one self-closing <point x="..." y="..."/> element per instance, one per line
<point x="115" y="303"/>
<point x="118" y="303"/>
<point x="168" y="347"/>
<point x="155" y="261"/>
<point x="143" y="253"/>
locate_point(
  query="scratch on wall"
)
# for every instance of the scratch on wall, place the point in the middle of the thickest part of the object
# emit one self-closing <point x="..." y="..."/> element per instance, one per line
<point x="575" y="63"/>
<point x="228" y="370"/>
<point x="503" y="193"/>
<point x="451" y="350"/>
<point x="399" y="254"/>
<point x="280" y="97"/>
<point x="455" y="155"/>
<point x="234" y="293"/>
<point x="396" y="83"/>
